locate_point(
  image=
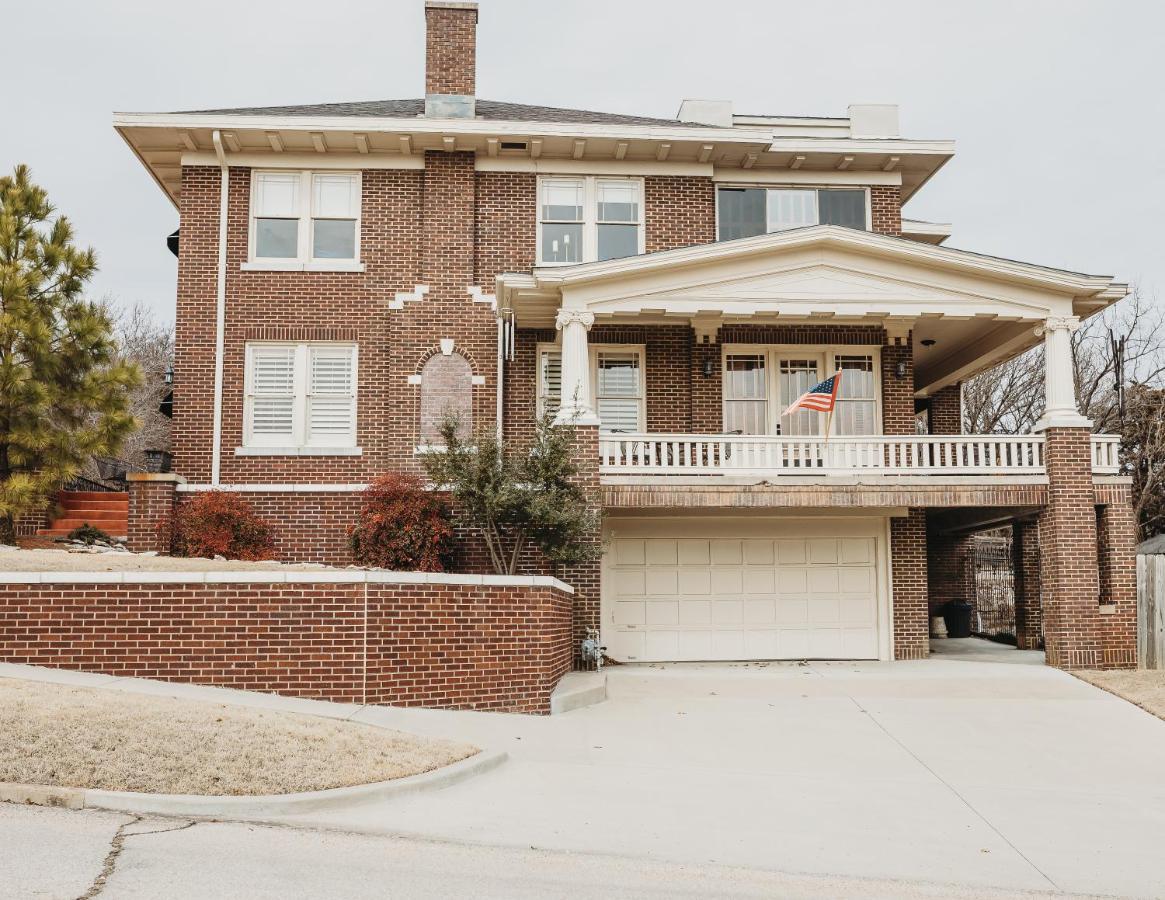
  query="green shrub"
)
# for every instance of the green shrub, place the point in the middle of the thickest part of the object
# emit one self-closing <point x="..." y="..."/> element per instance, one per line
<point x="90" y="534"/>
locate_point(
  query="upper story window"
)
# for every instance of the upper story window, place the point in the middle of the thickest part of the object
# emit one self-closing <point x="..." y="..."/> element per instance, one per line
<point x="589" y="218"/>
<point x="761" y="382"/>
<point x="305" y="220"/>
<point x="748" y="211"/>
<point x="300" y="396"/>
<point x="617" y="380"/>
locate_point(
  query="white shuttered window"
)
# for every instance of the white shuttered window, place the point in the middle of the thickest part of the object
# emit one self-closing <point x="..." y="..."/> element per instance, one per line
<point x="300" y="395"/>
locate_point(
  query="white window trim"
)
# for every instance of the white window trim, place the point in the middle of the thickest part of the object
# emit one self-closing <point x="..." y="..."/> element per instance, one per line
<point x="590" y="225"/>
<point x="640" y="350"/>
<point x="299" y="446"/>
<point x="796" y="187"/>
<point x="303" y="261"/>
<point x="828" y="352"/>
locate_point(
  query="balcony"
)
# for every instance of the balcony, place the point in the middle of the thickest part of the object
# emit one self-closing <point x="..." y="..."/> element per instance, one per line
<point x="764" y="456"/>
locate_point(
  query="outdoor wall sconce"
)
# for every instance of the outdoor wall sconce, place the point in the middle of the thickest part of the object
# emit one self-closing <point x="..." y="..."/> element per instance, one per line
<point x="900" y="369"/>
<point x="929" y="342"/>
<point x="708" y="368"/>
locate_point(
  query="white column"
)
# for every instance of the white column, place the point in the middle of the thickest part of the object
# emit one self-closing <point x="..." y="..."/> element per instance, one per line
<point x="577" y="405"/>
<point x="1060" y="410"/>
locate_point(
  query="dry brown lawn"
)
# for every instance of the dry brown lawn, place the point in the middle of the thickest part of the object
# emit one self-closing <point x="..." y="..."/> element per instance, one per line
<point x="14" y="560"/>
<point x="111" y="740"/>
<point x="1144" y="687"/>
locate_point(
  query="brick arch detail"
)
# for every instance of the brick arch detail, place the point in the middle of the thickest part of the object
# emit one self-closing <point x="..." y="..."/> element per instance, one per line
<point x="458" y="350"/>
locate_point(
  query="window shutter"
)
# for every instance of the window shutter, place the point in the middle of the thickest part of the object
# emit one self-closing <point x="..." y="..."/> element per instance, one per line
<point x="331" y="402"/>
<point x="273" y="393"/>
<point x="551" y="382"/>
<point x="619" y="389"/>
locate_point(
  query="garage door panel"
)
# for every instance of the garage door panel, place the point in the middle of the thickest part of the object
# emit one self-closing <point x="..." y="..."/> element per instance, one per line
<point x="693" y="552"/>
<point x="728" y="612"/>
<point x="781" y="590"/>
<point x="727" y="552"/>
<point x="695" y="612"/>
<point x="759" y="553"/>
<point x="630" y="612"/>
<point x="857" y="551"/>
<point x="661" y="552"/>
<point x="791" y="552"/>
<point x="661" y="581"/>
<point x="727" y="581"/>
<point x="823" y="581"/>
<point x="629" y="553"/>
<point x="760" y="580"/>
<point x="793" y="611"/>
<point x="662" y="612"/>
<point x="695" y="581"/>
<point x="629" y="582"/>
<point x="855" y="580"/>
<point x="823" y="551"/>
<point x="824" y="611"/>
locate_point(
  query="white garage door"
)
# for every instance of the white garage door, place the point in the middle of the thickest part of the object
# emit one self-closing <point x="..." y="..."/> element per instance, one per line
<point x="735" y="589"/>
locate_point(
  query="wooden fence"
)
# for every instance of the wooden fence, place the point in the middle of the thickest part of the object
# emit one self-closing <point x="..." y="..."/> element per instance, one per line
<point x="1151" y="611"/>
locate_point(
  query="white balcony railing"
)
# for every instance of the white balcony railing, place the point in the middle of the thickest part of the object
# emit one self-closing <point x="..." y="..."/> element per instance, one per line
<point x="1106" y="454"/>
<point x="707" y="454"/>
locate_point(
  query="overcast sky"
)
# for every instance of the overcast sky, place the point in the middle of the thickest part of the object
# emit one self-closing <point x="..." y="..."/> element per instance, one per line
<point x="1056" y="105"/>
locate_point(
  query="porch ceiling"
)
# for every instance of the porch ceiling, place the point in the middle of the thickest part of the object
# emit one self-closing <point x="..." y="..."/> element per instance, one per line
<point x="977" y="310"/>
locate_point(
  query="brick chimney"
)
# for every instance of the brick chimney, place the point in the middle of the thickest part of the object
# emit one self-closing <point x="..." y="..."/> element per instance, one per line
<point x="450" y="59"/>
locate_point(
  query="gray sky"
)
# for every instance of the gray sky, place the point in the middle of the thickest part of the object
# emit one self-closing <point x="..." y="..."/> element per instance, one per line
<point x="1056" y="107"/>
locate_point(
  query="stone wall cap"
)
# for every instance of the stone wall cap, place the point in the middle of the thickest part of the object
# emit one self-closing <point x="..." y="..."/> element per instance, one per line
<point x="171" y="477"/>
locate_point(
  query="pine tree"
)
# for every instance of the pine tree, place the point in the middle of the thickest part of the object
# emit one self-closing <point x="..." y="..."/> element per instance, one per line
<point x="63" y="392"/>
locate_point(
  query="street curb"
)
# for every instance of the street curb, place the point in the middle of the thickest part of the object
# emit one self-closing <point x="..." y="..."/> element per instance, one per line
<point x="251" y="806"/>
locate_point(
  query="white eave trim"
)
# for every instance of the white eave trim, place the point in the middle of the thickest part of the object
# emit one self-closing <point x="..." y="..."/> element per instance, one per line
<point x="422" y="125"/>
<point x="1076" y="284"/>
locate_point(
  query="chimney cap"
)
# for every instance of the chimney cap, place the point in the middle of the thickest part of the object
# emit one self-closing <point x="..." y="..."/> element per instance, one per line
<point x="446" y="4"/>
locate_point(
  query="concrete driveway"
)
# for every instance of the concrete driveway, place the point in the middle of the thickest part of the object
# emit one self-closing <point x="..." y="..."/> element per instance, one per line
<point x="978" y="767"/>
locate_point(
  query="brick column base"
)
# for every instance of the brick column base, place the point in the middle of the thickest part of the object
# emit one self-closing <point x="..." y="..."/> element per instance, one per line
<point x="151" y="510"/>
<point x="1117" y="548"/>
<point x="585" y="577"/>
<point x="1025" y="551"/>
<point x="910" y="614"/>
<point x="1068" y="558"/>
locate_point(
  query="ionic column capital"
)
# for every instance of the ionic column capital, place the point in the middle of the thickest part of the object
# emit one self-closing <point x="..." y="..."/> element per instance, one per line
<point x="1058" y="323"/>
<point x="574" y="317"/>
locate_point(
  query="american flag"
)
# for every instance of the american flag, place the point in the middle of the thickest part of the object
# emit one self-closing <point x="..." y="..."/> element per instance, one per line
<point x="820" y="397"/>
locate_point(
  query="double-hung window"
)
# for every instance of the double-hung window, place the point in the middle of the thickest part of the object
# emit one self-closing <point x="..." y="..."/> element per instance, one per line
<point x="616" y="378"/>
<point x="300" y="397"/>
<point x="749" y="211"/>
<point x="761" y="382"/>
<point x="589" y="218"/>
<point x="305" y="220"/>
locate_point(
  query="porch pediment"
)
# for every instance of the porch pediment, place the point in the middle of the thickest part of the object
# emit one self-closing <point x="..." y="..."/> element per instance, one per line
<point x="813" y="272"/>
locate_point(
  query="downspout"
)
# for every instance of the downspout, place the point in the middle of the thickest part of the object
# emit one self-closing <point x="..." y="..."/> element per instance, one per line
<point x="220" y="306"/>
<point x="501" y="369"/>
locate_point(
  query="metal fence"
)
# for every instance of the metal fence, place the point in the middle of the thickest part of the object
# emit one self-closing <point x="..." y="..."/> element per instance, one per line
<point x="993" y="578"/>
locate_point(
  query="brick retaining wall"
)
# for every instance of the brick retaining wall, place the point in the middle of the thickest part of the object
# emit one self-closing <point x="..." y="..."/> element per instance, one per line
<point x="402" y="639"/>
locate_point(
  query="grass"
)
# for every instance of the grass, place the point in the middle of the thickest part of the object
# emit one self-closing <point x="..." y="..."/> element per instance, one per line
<point x="112" y="740"/>
<point x="1143" y="687"/>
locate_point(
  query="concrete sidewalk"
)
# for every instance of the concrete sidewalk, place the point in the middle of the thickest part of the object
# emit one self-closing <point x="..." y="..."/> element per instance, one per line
<point x="979" y="767"/>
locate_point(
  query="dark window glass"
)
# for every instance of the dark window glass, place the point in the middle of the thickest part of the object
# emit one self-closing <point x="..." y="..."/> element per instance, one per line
<point x="846" y="208"/>
<point x="616" y="241"/>
<point x="742" y="212"/>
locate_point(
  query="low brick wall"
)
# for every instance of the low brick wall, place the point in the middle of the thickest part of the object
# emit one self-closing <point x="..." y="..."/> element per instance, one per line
<point x="403" y="639"/>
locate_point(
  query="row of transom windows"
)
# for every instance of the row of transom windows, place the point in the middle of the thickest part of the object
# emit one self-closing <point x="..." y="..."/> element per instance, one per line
<point x="311" y="220"/>
<point x="758" y="383"/>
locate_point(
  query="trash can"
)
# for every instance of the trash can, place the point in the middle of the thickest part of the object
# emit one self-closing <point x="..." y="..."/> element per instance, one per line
<point x="958" y="618"/>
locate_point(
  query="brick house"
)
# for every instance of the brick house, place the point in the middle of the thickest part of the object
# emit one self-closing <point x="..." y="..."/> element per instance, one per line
<point x="350" y="271"/>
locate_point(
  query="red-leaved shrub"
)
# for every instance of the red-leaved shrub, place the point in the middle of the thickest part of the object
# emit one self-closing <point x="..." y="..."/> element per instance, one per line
<point x="220" y="523"/>
<point x="402" y="526"/>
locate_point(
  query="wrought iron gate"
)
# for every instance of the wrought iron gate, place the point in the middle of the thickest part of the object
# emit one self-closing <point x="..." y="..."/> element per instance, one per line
<point x="993" y="576"/>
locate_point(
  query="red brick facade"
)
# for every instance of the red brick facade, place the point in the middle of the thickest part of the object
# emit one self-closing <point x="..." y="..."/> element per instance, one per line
<point x="1025" y="547"/>
<point x="886" y="210"/>
<point x="453" y="646"/>
<point x="946" y="411"/>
